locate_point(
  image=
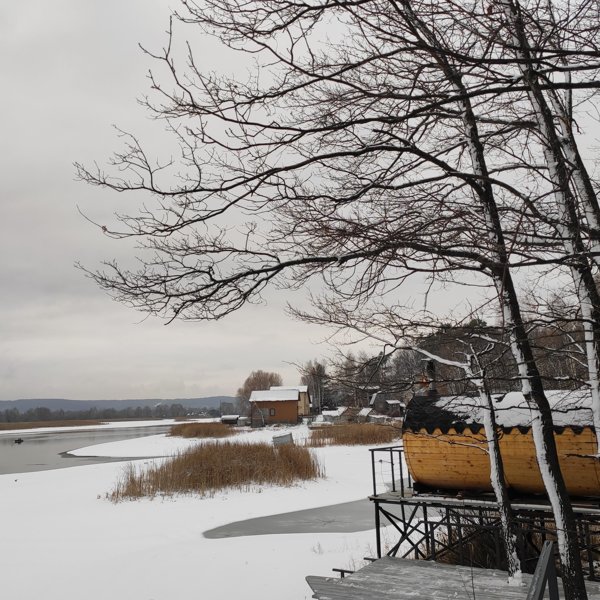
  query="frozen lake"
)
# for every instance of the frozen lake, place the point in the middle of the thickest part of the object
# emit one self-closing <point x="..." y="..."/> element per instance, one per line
<point x="47" y="450"/>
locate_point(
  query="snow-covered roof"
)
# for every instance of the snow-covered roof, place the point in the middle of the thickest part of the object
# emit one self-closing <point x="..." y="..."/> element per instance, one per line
<point x="363" y="412"/>
<point x="569" y="408"/>
<point x="274" y="395"/>
<point x="389" y="397"/>
<point x="229" y="417"/>
<point x="338" y="412"/>
<point x="394" y="402"/>
<point x="300" y="388"/>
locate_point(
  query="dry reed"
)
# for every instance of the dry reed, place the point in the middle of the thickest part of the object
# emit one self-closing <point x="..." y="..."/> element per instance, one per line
<point x="201" y="430"/>
<point x="353" y="434"/>
<point x="215" y="466"/>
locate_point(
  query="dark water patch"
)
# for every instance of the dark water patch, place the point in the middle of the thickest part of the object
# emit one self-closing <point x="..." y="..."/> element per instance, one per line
<point x="347" y="517"/>
<point x="49" y="450"/>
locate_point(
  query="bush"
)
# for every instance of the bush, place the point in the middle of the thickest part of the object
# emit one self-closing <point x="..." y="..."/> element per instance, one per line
<point x="201" y="430"/>
<point x="215" y="466"/>
<point x="353" y="434"/>
<point x="481" y="544"/>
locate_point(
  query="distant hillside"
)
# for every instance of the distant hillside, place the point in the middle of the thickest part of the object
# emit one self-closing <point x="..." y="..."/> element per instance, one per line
<point x="67" y="405"/>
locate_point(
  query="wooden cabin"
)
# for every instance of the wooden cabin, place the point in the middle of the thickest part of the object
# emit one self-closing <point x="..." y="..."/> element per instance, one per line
<point x="303" y="397"/>
<point x="391" y="404"/>
<point x="363" y="415"/>
<point x="270" y="407"/>
<point x="445" y="445"/>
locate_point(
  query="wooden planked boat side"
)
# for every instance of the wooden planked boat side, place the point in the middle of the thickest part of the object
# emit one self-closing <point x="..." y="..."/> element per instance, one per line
<point x="453" y="460"/>
<point x="448" y="459"/>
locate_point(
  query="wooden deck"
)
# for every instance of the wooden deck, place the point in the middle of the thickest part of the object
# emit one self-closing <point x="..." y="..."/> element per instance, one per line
<point x="401" y="579"/>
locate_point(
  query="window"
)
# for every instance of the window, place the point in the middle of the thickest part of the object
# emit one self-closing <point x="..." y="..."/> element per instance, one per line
<point x="271" y="412"/>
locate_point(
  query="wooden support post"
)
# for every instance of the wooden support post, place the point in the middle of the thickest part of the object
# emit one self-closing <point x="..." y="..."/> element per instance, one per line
<point x="401" y="470"/>
<point x="426" y="525"/>
<point x="588" y="547"/>
<point x="461" y="552"/>
<point x="498" y="549"/>
<point x="373" y="472"/>
<point x="545" y="574"/>
<point x="378" y="529"/>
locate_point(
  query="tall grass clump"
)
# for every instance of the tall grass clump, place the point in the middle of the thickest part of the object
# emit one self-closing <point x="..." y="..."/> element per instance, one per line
<point x="353" y="434"/>
<point x="215" y="466"/>
<point x="201" y="430"/>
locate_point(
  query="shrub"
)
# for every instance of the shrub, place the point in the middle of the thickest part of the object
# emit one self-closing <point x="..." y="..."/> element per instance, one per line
<point x="480" y="544"/>
<point x="353" y="434"/>
<point x="215" y="466"/>
<point x="201" y="430"/>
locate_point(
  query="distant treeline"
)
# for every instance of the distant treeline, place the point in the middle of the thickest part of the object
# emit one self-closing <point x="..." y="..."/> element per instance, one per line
<point x="160" y="411"/>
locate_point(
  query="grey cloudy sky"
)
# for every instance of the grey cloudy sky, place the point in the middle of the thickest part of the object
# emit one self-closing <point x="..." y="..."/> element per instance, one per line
<point x="70" y="69"/>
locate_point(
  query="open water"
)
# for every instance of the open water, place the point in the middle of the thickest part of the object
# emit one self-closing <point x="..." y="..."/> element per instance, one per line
<point x="45" y="451"/>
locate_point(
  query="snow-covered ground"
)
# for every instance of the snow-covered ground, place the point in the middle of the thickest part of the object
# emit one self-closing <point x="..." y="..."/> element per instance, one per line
<point x="106" y="425"/>
<point x="62" y="539"/>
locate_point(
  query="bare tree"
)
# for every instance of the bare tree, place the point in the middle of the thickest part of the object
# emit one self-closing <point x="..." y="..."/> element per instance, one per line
<point x="576" y="204"/>
<point x="257" y="380"/>
<point x="314" y="375"/>
<point x="375" y="143"/>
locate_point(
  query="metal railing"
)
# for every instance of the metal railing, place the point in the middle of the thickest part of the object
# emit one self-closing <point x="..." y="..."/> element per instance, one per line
<point x="393" y="456"/>
<point x="343" y="572"/>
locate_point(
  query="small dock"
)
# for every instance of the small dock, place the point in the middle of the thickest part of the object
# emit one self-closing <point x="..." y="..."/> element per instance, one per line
<point x="391" y="578"/>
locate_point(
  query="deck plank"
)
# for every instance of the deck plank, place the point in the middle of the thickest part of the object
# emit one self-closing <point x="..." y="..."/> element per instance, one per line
<point x="401" y="579"/>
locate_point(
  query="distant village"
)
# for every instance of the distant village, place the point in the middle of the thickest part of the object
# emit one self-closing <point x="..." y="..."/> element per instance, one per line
<point x="281" y="405"/>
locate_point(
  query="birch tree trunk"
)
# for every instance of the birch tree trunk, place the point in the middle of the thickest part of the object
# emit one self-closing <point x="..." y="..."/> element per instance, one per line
<point x="568" y="225"/>
<point x="543" y="430"/>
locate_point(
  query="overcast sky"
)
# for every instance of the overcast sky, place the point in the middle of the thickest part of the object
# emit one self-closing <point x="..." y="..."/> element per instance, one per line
<point x="70" y="70"/>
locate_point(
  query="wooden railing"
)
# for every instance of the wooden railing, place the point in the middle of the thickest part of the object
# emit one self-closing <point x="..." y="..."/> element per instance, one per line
<point x="545" y="575"/>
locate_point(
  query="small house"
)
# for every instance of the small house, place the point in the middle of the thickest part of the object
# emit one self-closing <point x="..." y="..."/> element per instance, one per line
<point x="303" y="397"/>
<point x="270" y="407"/>
<point x="363" y="415"/>
<point x="390" y="404"/>
<point x="334" y="416"/>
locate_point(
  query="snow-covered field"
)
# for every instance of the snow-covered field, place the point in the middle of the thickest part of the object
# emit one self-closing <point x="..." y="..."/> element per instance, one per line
<point x="62" y="539"/>
<point x="107" y="425"/>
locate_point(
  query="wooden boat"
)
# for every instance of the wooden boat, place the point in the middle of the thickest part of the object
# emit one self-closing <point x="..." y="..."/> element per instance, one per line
<point x="445" y="445"/>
